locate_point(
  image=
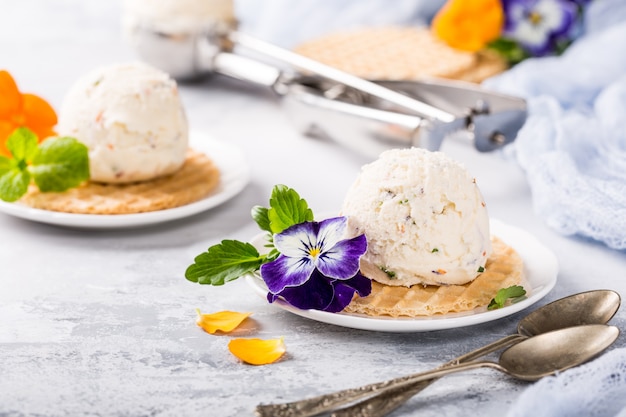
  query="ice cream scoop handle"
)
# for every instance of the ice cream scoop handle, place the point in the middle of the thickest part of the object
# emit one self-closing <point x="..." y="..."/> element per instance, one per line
<point x="245" y="69"/>
<point x="316" y="67"/>
<point x="328" y="402"/>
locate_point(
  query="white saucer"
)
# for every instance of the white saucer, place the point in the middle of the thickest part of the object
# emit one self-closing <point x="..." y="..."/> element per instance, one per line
<point x="235" y="175"/>
<point x="540" y="268"/>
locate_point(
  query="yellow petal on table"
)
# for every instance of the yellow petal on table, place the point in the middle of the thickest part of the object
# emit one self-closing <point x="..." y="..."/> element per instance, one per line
<point x="257" y="351"/>
<point x="225" y="321"/>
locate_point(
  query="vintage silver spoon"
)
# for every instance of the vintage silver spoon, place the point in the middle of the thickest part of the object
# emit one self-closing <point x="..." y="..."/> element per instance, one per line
<point x="585" y="308"/>
<point x="591" y="307"/>
<point x="535" y="357"/>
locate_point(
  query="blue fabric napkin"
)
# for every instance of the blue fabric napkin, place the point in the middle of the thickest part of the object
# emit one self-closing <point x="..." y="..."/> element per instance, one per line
<point x="573" y="145"/>
<point x="287" y="23"/>
<point x="596" y="389"/>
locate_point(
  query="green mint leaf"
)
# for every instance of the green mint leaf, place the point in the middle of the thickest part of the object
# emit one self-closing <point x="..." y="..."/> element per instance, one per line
<point x="514" y="292"/>
<point x="273" y="254"/>
<point x="14" y="178"/>
<point x="23" y="145"/>
<point x="287" y="209"/>
<point x="5" y="164"/>
<point x="509" y="49"/>
<point x="224" y="262"/>
<point x="261" y="217"/>
<point x="13" y="181"/>
<point x="60" y="164"/>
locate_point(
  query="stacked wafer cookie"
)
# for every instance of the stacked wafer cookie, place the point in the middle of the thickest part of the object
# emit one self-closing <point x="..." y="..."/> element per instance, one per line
<point x="399" y="53"/>
<point x="504" y="269"/>
<point x="197" y="178"/>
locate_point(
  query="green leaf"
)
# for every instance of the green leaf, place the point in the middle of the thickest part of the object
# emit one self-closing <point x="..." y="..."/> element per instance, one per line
<point x="260" y="216"/>
<point x="23" y="144"/>
<point x="509" y="49"/>
<point x="60" y="164"/>
<point x="13" y="182"/>
<point x="224" y="262"/>
<point x="272" y="255"/>
<point x="14" y="178"/>
<point x="515" y="293"/>
<point x="287" y="209"/>
<point x="5" y="164"/>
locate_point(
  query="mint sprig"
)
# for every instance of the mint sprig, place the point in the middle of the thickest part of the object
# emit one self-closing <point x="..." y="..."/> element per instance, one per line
<point x="514" y="293"/>
<point x="286" y="209"/>
<point x="57" y="164"/>
<point x="224" y="262"/>
<point x="231" y="259"/>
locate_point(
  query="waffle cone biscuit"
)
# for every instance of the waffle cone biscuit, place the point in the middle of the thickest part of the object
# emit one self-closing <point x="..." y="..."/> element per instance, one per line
<point x="488" y="64"/>
<point x="398" y="53"/>
<point x="504" y="268"/>
<point x="196" y="179"/>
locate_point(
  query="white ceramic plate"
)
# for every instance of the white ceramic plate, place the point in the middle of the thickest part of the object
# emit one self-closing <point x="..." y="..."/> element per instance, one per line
<point x="234" y="171"/>
<point x="541" y="268"/>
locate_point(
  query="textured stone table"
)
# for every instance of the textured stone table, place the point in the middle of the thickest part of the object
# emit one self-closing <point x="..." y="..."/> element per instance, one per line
<point x="102" y="323"/>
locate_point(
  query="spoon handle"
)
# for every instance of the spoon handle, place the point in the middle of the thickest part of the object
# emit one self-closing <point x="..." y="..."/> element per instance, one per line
<point x="328" y="402"/>
<point x="385" y="402"/>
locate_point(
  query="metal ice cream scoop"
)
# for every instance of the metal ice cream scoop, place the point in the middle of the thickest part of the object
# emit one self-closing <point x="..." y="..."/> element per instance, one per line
<point x="366" y="116"/>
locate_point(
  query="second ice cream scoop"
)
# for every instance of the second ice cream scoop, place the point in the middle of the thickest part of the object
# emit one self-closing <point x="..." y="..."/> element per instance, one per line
<point x="131" y="118"/>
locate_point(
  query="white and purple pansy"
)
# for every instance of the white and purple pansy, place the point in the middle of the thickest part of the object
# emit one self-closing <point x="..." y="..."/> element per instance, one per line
<point x="539" y="26"/>
<point x="317" y="268"/>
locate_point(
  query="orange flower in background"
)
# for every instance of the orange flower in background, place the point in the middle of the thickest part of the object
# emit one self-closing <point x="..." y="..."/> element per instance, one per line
<point x="22" y="110"/>
<point x="469" y="25"/>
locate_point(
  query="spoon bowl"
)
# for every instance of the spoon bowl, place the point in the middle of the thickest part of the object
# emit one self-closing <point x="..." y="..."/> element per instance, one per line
<point x="591" y="307"/>
<point x="556" y="351"/>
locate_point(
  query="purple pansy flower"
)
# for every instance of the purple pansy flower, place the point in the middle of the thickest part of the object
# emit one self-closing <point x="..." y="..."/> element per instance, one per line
<point x="539" y="25"/>
<point x="317" y="268"/>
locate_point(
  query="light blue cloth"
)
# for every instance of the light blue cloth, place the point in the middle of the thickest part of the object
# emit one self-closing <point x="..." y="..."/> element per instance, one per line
<point x="596" y="389"/>
<point x="573" y="145"/>
<point x="287" y="23"/>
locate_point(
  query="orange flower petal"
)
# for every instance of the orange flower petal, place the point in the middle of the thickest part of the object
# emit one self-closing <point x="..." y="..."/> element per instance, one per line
<point x="469" y="25"/>
<point x="257" y="351"/>
<point x="39" y="116"/>
<point x="10" y="97"/>
<point x="225" y="321"/>
<point x="43" y="132"/>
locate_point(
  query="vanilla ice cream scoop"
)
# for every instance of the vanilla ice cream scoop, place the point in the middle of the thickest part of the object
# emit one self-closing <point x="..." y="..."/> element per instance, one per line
<point x="131" y="118"/>
<point x="178" y="16"/>
<point x="424" y="218"/>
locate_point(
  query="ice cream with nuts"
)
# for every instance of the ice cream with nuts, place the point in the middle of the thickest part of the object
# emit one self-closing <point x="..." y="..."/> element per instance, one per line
<point x="177" y="16"/>
<point x="131" y="118"/>
<point x="424" y="218"/>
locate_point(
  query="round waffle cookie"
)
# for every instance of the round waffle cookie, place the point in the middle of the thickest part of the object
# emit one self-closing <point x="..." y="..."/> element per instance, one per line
<point x="398" y="53"/>
<point x="193" y="181"/>
<point x="503" y="269"/>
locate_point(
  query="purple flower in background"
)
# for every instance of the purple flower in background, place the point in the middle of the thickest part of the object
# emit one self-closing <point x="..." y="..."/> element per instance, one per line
<point x="540" y="26"/>
<point x="317" y="268"/>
